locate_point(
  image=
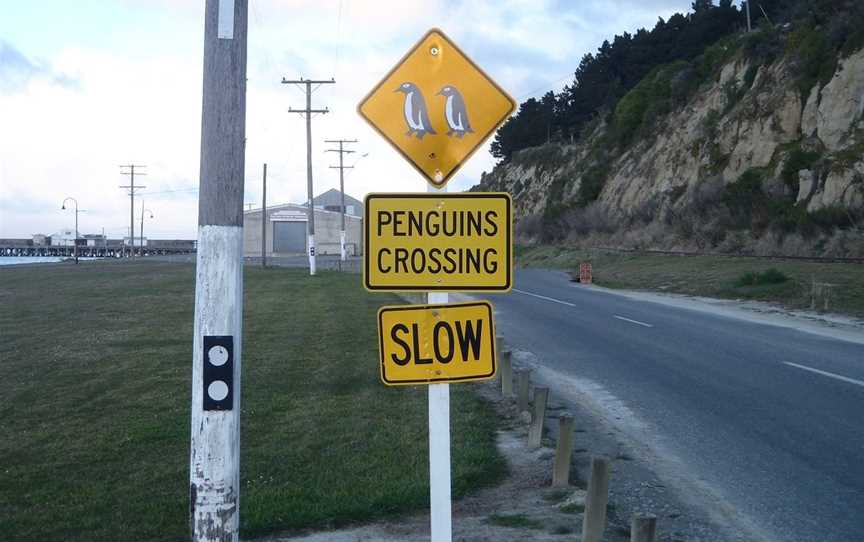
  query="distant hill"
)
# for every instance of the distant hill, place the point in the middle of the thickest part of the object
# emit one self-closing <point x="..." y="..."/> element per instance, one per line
<point x="753" y="142"/>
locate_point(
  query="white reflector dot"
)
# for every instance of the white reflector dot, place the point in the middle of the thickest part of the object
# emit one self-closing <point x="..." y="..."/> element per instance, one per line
<point x="217" y="355"/>
<point x="218" y="389"/>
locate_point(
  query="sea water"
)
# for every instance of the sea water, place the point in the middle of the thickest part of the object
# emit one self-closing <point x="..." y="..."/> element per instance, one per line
<point x="16" y="260"/>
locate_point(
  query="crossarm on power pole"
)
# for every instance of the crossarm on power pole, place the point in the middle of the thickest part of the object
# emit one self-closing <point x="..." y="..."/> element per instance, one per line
<point x="292" y="110"/>
<point x="303" y="81"/>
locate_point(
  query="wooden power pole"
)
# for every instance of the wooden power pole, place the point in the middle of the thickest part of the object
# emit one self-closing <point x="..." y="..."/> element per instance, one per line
<point x="308" y="111"/>
<point x="130" y="170"/>
<point x="214" y="458"/>
<point x="341" y="167"/>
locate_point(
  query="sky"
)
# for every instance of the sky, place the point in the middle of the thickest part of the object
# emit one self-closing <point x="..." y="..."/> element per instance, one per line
<point x="89" y="85"/>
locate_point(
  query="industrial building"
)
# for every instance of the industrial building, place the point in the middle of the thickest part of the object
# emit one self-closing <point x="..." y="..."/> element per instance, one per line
<point x="286" y="227"/>
<point x="63" y="238"/>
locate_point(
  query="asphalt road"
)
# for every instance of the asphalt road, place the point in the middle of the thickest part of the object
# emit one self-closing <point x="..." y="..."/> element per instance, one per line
<point x="772" y="418"/>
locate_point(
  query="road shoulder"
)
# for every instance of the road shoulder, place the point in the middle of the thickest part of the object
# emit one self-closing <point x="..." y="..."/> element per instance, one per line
<point x="844" y="328"/>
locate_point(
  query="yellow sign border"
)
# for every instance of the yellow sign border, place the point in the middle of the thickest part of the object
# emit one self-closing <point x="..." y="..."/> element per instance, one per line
<point x="393" y="308"/>
<point x="435" y="287"/>
<point x="443" y="182"/>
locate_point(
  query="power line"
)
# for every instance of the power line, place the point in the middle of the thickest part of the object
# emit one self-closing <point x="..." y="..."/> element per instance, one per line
<point x="308" y="112"/>
<point x="132" y="188"/>
<point x="179" y="190"/>
<point x="338" y="43"/>
<point x="545" y="86"/>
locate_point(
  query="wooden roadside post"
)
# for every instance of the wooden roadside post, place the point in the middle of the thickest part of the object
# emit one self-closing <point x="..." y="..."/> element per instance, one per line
<point x="506" y="371"/>
<point x="812" y="292"/>
<point x="563" y="451"/>
<point x="596" y="499"/>
<point x="214" y="458"/>
<point x="523" y="379"/>
<point x="643" y="529"/>
<point x="535" y="432"/>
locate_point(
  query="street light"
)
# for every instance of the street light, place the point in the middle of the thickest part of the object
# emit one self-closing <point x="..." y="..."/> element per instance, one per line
<point x="75" y="241"/>
<point x="143" y="211"/>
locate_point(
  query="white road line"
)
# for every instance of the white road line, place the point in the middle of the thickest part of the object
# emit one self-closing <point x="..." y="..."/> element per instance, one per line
<point x="826" y="373"/>
<point x="544" y="297"/>
<point x="553" y="300"/>
<point x="637" y="322"/>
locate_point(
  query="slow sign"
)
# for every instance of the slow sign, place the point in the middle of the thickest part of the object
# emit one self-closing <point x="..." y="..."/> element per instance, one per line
<point x="438" y="242"/>
<point x="424" y="344"/>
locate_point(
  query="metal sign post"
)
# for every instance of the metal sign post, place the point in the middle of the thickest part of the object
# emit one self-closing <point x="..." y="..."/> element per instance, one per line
<point x="440" y="499"/>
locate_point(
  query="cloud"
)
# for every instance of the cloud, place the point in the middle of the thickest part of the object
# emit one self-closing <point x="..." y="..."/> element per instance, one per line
<point x="133" y="94"/>
<point x="16" y="71"/>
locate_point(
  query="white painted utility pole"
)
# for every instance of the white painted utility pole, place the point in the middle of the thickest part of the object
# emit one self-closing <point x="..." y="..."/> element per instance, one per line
<point x="308" y="111"/>
<point x="264" y="218"/>
<point x="214" y="458"/>
<point x="341" y="167"/>
<point x="441" y="521"/>
<point x="749" y="28"/>
<point x="143" y="212"/>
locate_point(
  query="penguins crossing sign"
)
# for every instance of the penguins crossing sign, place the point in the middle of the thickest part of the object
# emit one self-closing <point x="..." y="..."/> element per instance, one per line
<point x="436" y="107"/>
<point x="438" y="242"/>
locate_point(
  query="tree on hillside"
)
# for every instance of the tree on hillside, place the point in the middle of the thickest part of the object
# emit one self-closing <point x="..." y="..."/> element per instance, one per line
<point x="534" y="128"/>
<point x="604" y="77"/>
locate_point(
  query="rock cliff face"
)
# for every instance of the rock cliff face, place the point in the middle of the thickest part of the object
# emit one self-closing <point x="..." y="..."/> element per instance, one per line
<point x="745" y="118"/>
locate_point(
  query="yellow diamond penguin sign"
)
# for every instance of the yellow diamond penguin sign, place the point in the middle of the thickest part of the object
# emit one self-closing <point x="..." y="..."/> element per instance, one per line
<point x="425" y="344"/>
<point x="438" y="242"/>
<point x="436" y="107"/>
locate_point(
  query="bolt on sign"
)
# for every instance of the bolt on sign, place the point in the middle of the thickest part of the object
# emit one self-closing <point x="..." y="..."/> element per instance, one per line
<point x="443" y="242"/>
<point x="424" y="344"/>
<point x="436" y="107"/>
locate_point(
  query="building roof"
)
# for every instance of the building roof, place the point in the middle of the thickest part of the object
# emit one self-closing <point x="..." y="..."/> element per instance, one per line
<point x="333" y="198"/>
<point x="327" y="202"/>
<point x="298" y="207"/>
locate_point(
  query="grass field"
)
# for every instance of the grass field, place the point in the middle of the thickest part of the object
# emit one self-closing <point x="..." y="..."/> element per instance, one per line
<point x="95" y="364"/>
<point x="713" y="276"/>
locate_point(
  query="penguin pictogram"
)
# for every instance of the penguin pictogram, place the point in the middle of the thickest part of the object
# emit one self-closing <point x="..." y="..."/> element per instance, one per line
<point x="416" y="115"/>
<point x="455" y="112"/>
